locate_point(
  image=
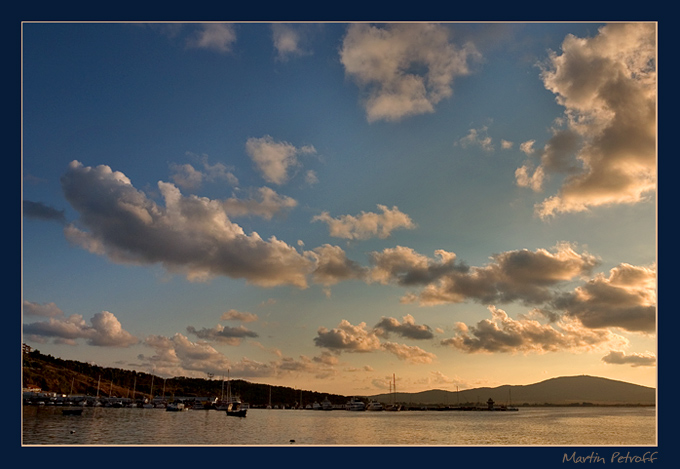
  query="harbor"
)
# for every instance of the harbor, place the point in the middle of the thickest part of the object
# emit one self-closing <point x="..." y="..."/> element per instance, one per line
<point x="35" y="398"/>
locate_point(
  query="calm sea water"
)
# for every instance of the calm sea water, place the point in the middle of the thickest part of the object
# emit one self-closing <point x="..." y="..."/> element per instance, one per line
<point x="561" y="426"/>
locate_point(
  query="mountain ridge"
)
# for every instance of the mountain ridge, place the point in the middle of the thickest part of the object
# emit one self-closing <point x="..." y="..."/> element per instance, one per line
<point x="64" y="376"/>
<point x="562" y="390"/>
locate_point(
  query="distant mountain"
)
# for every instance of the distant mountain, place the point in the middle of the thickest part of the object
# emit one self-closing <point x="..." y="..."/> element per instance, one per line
<point x="67" y="376"/>
<point x="568" y="390"/>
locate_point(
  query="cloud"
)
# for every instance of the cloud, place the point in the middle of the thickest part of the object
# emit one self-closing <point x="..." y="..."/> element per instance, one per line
<point x="607" y="145"/>
<point x="189" y="235"/>
<point x="520" y="275"/>
<point x="404" y="69"/>
<point x="288" y="41"/>
<point x="358" y="339"/>
<point x="214" y="36"/>
<point x="179" y="356"/>
<point x="105" y="329"/>
<point x="347" y="338"/>
<point x="333" y="266"/>
<point x="275" y="159"/>
<point x="233" y="315"/>
<point x="367" y="224"/>
<point x="225" y="334"/>
<point x="409" y="353"/>
<point x="408" y="328"/>
<point x="50" y="310"/>
<point x="502" y="334"/>
<point x="41" y="211"/>
<point x="626" y="299"/>
<point x="264" y="203"/>
<point x="633" y="359"/>
<point x="479" y="137"/>
<point x="188" y="177"/>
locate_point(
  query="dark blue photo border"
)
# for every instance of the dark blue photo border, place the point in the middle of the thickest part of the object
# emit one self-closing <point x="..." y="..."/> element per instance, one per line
<point x="324" y="457"/>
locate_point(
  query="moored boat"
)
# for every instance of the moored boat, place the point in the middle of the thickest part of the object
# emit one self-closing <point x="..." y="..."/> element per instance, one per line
<point x="374" y="406"/>
<point x="233" y="403"/>
<point x="176" y="407"/>
<point x="326" y="404"/>
<point x="355" y="404"/>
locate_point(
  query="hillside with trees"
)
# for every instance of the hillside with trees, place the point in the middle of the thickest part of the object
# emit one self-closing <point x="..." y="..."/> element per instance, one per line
<point x="52" y="374"/>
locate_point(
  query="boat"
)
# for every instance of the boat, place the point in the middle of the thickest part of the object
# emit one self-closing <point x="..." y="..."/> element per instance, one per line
<point x="374" y="406"/>
<point x="393" y="407"/>
<point x="326" y="404"/>
<point x="316" y="406"/>
<point x="176" y="407"/>
<point x="355" y="404"/>
<point x="233" y="403"/>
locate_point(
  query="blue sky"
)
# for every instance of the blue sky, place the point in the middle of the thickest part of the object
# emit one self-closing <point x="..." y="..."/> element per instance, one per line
<point x="321" y="205"/>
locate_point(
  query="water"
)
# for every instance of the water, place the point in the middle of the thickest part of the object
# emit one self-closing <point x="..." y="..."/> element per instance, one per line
<point x="561" y="426"/>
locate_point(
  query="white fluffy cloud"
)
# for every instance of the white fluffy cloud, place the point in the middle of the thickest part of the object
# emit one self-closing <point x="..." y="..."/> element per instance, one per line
<point x="215" y="36"/>
<point x="289" y="40"/>
<point x="384" y="62"/>
<point x="275" y="159"/>
<point x="265" y="203"/>
<point x="367" y="224"/>
<point x="234" y="315"/>
<point x="506" y="335"/>
<point x="607" y="145"/>
<point x="522" y="275"/>
<point x="105" y="329"/>
<point x="191" y="235"/>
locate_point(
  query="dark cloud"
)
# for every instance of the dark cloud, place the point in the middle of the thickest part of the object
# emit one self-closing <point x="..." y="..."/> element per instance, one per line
<point x="522" y="275"/>
<point x="626" y="299"/>
<point x="502" y="334"/>
<point x="41" y="211"/>
<point x="222" y="333"/>
<point x="634" y="360"/>
<point x="407" y="329"/>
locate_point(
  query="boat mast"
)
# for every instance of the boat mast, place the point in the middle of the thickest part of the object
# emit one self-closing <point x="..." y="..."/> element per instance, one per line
<point x="228" y="387"/>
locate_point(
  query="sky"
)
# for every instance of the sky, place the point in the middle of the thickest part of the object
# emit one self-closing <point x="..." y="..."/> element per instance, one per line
<point x="329" y="206"/>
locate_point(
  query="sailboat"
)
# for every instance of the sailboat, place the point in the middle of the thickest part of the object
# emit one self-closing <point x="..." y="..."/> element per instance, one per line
<point x="222" y="404"/>
<point x="394" y="407"/>
<point x="234" y="402"/>
<point x="149" y="405"/>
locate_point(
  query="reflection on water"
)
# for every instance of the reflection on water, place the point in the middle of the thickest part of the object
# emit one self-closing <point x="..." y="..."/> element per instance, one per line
<point x="45" y="425"/>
